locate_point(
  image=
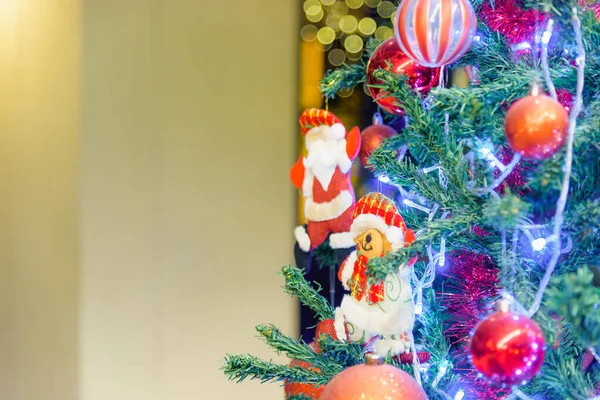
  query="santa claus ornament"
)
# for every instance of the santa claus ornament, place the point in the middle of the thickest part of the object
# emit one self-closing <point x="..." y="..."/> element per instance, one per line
<point x="382" y="311"/>
<point x="324" y="178"/>
<point x="373" y="381"/>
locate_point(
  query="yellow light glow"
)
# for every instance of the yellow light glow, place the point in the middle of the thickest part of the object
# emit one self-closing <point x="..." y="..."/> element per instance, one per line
<point x="348" y="24"/>
<point x="327" y="2"/>
<point x="373" y="3"/>
<point x="353" y="44"/>
<point x="309" y="33"/>
<point x="355" y="4"/>
<point x="393" y="17"/>
<point x="337" y="57"/>
<point x="311" y="3"/>
<point x="333" y="21"/>
<point x="354" y="56"/>
<point x="326" y="35"/>
<point x="367" y="26"/>
<point x="339" y="8"/>
<point x="383" y="33"/>
<point x="346" y="92"/>
<point x="316" y="17"/>
<point x="314" y="10"/>
<point x="386" y="9"/>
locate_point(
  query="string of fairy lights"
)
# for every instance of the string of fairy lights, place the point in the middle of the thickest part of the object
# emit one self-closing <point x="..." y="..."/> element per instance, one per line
<point x="342" y="27"/>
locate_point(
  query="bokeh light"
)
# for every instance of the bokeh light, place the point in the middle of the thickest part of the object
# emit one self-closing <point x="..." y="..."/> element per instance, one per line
<point x="354" y="56"/>
<point x="339" y="8"/>
<point x="367" y="26"/>
<point x="383" y="33"/>
<point x="316" y="17"/>
<point x="309" y="33"/>
<point x="308" y="4"/>
<point x="348" y="24"/>
<point x="386" y="9"/>
<point x="355" y="4"/>
<point x="333" y="21"/>
<point x="341" y="31"/>
<point x="354" y="44"/>
<point x="326" y="35"/>
<point x="346" y="92"/>
<point x="337" y="57"/>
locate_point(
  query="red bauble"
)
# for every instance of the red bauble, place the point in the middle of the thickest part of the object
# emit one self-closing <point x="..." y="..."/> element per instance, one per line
<point x="536" y="126"/>
<point x="307" y="389"/>
<point x="324" y="328"/>
<point x="507" y="348"/>
<point x="435" y="32"/>
<point x="373" y="382"/>
<point x="388" y="56"/>
<point x="371" y="139"/>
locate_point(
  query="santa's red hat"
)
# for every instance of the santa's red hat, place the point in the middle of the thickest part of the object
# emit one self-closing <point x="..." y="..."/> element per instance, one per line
<point x="314" y="117"/>
<point x="376" y="211"/>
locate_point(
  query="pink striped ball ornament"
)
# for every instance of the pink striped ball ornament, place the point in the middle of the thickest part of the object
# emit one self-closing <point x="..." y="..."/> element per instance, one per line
<point x="434" y="33"/>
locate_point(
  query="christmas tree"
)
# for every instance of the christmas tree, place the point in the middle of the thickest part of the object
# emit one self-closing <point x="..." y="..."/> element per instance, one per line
<point x="486" y="265"/>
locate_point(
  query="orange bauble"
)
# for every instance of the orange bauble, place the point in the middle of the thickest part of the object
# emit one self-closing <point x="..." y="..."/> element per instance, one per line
<point x="373" y="382"/>
<point x="536" y="126"/>
<point x="307" y="389"/>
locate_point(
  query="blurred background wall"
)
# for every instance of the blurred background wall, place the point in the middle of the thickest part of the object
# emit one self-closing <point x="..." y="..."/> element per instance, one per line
<point x="145" y="207"/>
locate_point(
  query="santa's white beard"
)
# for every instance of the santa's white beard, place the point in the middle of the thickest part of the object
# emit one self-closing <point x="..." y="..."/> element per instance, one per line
<point x="324" y="156"/>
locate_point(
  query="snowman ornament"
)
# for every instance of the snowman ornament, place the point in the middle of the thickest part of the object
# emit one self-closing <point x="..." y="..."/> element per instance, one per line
<point x="381" y="313"/>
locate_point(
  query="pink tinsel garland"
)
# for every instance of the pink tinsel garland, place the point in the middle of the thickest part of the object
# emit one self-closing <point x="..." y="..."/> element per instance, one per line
<point x="515" y="24"/>
<point x="472" y="280"/>
<point x="515" y="181"/>
<point x="510" y="20"/>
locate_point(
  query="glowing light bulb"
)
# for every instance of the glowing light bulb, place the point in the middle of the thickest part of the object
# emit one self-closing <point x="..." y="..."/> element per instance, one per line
<point x="383" y="179"/>
<point x="459" y="395"/>
<point x="546" y="37"/>
<point x="539" y="244"/>
<point x="419" y="308"/>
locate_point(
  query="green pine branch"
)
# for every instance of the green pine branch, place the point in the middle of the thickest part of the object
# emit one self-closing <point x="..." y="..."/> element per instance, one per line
<point x="297" y="285"/>
<point x="577" y="300"/>
<point x="242" y="367"/>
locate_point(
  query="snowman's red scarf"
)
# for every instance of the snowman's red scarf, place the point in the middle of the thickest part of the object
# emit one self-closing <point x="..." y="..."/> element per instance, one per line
<point x="358" y="283"/>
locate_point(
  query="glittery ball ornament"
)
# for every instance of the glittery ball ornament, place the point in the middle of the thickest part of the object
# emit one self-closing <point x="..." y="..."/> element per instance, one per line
<point x="536" y="125"/>
<point x="435" y="33"/>
<point x="373" y="381"/>
<point x="372" y="137"/>
<point x="388" y="56"/>
<point x="300" y="388"/>
<point x="507" y="348"/>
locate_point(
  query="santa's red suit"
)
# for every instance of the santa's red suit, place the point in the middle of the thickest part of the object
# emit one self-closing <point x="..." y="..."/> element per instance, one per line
<point x="324" y="178"/>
